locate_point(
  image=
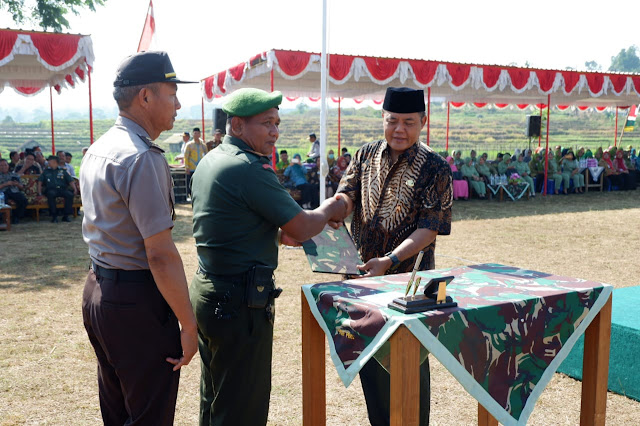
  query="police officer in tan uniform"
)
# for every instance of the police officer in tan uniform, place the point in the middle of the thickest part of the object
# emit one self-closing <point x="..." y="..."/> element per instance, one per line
<point x="136" y="292"/>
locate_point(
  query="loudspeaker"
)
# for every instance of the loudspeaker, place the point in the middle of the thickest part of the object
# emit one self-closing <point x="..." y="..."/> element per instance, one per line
<point x="219" y="120"/>
<point x="533" y="126"/>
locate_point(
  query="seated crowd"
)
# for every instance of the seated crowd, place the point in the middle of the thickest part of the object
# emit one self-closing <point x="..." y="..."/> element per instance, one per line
<point x="615" y="167"/>
<point x="55" y="177"/>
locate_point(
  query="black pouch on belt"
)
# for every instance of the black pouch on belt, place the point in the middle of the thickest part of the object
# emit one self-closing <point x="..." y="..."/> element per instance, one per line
<point x="259" y="286"/>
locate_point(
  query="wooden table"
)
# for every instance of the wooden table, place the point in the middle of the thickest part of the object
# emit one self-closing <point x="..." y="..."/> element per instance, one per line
<point x="6" y="213"/>
<point x="405" y="358"/>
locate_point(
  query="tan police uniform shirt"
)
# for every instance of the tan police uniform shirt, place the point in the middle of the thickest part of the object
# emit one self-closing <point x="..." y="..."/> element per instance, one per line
<point x="127" y="196"/>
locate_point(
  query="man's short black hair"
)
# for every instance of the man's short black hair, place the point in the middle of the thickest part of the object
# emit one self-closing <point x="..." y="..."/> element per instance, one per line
<point x="31" y="153"/>
<point x="284" y="151"/>
<point x="12" y="153"/>
<point x="196" y="129"/>
<point x="4" y="159"/>
<point x="344" y="150"/>
<point x="68" y="154"/>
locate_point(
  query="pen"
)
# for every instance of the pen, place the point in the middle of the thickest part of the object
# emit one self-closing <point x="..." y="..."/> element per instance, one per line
<point x="416" y="285"/>
<point x="413" y="274"/>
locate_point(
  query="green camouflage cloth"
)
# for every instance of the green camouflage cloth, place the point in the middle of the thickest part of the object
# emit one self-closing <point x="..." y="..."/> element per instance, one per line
<point x="333" y="251"/>
<point x="510" y="332"/>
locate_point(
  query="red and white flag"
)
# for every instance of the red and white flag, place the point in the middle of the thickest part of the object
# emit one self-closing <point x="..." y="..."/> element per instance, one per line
<point x="148" y="31"/>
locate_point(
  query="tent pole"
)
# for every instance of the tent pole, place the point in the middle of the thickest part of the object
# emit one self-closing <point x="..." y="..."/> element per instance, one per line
<point x="546" y="158"/>
<point x="204" y="138"/>
<point x="540" y="133"/>
<point x="324" y="62"/>
<point x="448" y="109"/>
<point x="339" y="124"/>
<point x="53" y="142"/>
<point x="90" y="107"/>
<point x="273" y="151"/>
<point x="428" y="114"/>
<point x="615" y="136"/>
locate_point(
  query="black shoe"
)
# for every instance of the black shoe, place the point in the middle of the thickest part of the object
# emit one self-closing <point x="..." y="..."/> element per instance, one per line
<point x="54" y="219"/>
<point x="66" y="219"/>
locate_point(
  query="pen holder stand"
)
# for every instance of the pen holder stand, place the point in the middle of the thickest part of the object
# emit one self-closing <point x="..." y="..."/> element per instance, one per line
<point x="427" y="301"/>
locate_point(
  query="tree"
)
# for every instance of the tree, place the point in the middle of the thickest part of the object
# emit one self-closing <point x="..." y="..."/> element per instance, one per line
<point x="626" y="61"/>
<point x="592" y="66"/>
<point x="49" y="14"/>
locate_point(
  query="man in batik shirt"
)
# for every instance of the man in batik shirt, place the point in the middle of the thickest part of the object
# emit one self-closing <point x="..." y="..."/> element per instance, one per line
<point x="401" y="194"/>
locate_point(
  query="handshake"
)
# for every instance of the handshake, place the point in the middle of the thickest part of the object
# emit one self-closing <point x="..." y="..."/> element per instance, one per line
<point x="309" y="223"/>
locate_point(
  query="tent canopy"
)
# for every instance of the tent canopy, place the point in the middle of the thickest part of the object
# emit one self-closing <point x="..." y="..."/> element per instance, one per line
<point x="297" y="74"/>
<point x="31" y="61"/>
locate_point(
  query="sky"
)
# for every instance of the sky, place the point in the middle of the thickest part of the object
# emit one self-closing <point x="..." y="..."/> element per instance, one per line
<point x="204" y="37"/>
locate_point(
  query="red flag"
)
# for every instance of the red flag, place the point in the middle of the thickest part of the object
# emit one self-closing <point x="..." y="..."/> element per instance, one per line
<point x="148" y="31"/>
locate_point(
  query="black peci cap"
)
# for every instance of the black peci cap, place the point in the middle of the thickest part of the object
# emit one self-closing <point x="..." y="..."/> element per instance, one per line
<point x="146" y="68"/>
<point x="403" y="100"/>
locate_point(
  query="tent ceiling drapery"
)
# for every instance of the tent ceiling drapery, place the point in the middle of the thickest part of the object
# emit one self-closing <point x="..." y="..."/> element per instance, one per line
<point x="31" y="61"/>
<point x="297" y="74"/>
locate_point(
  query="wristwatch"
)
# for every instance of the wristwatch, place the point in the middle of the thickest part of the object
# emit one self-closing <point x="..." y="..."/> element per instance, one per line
<point x="394" y="260"/>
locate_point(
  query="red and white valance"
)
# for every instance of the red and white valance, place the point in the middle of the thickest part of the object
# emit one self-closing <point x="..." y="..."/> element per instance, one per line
<point x="297" y="74"/>
<point x="33" y="61"/>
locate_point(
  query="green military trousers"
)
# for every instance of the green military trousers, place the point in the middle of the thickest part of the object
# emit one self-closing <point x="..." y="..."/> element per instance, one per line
<point x="235" y="344"/>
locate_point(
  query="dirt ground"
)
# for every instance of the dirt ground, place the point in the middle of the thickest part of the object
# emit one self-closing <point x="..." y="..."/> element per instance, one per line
<point x="48" y="369"/>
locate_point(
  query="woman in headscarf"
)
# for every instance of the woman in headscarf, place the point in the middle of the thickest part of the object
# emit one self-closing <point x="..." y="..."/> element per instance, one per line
<point x="621" y="168"/>
<point x="536" y="165"/>
<point x="483" y="170"/>
<point x="475" y="180"/>
<point x="457" y="158"/>
<point x="580" y="153"/>
<point x="611" y="175"/>
<point x="460" y="186"/>
<point x="505" y="167"/>
<point x="598" y="154"/>
<point x="571" y="169"/>
<point x="331" y="159"/>
<point x="553" y="172"/>
<point x="524" y="171"/>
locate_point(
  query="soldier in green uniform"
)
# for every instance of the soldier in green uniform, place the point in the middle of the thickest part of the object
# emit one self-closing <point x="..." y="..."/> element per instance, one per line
<point x="483" y="169"/>
<point x="553" y="172"/>
<point x="505" y="167"/>
<point x="476" y="182"/>
<point x="56" y="184"/>
<point x="240" y="214"/>
<point x="571" y="169"/>
<point x="524" y="171"/>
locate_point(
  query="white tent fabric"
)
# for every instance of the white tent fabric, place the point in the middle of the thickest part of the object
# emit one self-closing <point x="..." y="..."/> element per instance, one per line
<point x="297" y="74"/>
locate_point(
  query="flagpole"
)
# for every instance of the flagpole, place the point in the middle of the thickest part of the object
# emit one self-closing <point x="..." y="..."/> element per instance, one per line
<point x="625" y="125"/>
<point x="615" y="135"/>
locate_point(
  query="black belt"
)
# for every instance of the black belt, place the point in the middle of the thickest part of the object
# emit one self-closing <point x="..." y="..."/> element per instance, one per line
<point x="139" y="275"/>
<point x="236" y="277"/>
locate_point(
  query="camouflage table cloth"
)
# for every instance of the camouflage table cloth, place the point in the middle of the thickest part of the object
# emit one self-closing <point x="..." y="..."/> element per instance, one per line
<point x="510" y="332"/>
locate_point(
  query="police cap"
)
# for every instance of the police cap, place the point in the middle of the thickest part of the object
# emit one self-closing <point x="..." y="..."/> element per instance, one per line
<point x="146" y="68"/>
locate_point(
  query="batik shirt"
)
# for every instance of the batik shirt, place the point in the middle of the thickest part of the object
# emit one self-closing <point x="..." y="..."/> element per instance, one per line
<point x="394" y="199"/>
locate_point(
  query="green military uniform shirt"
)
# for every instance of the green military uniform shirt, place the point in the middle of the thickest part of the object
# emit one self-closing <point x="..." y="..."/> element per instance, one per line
<point x="522" y="168"/>
<point x="238" y="206"/>
<point x="55" y="178"/>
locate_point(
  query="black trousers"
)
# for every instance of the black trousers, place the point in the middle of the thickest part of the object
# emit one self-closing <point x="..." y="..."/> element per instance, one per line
<point x="132" y="330"/>
<point x="235" y="344"/>
<point x="20" y="200"/>
<point x="376" y="383"/>
<point x="68" y="201"/>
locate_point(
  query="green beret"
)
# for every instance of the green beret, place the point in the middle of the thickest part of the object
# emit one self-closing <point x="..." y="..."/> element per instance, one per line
<point x="247" y="102"/>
